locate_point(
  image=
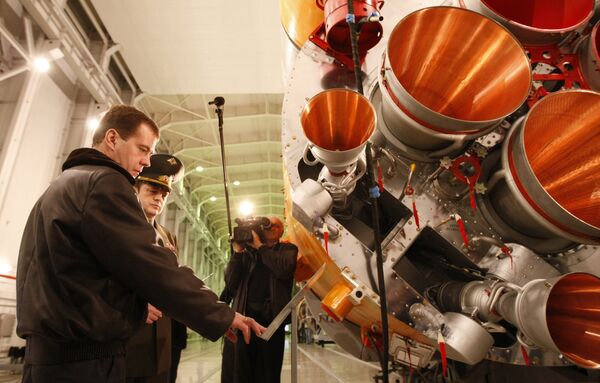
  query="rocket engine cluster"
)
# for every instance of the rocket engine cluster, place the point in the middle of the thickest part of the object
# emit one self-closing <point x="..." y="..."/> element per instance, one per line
<point x="483" y="120"/>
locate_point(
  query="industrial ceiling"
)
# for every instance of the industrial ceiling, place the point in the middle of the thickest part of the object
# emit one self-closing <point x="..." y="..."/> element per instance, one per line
<point x="184" y="53"/>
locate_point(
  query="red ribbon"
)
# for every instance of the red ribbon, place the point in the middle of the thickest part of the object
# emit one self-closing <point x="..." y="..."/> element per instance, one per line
<point x="442" y="345"/>
<point x="506" y="250"/>
<point x="379" y="179"/>
<point x="525" y="355"/>
<point x="415" y="213"/>
<point x="463" y="231"/>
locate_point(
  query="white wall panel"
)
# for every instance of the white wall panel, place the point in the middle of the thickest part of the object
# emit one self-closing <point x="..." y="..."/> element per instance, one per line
<point x="35" y="165"/>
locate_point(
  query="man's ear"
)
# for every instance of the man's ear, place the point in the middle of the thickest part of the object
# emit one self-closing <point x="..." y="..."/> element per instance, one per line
<point x="111" y="138"/>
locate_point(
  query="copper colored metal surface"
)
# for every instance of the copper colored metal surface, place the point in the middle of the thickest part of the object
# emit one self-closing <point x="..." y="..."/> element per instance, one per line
<point x="336" y="303"/>
<point x="338" y="119"/>
<point x="550" y="15"/>
<point x="459" y="63"/>
<point x="573" y="317"/>
<point x="562" y="141"/>
<point x="299" y="19"/>
<point x="338" y="32"/>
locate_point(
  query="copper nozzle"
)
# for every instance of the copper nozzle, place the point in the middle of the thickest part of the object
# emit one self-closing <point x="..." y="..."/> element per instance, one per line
<point x="459" y="63"/>
<point x="338" y="120"/>
<point x="561" y="139"/>
<point x="546" y="15"/>
<point x="573" y="318"/>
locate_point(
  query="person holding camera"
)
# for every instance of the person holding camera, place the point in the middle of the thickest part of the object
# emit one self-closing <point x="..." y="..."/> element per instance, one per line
<point x="259" y="277"/>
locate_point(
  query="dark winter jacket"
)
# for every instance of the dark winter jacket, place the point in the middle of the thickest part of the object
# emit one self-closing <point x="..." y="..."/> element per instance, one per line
<point x="89" y="261"/>
<point x="280" y="259"/>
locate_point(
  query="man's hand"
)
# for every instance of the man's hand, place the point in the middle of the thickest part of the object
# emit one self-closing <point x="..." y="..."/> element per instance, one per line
<point x="256" y="242"/>
<point x="245" y="325"/>
<point x="154" y="314"/>
<point x="238" y="248"/>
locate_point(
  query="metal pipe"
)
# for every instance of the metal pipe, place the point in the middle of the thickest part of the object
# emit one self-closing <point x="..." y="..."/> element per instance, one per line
<point x="14" y="42"/>
<point x="13" y="72"/>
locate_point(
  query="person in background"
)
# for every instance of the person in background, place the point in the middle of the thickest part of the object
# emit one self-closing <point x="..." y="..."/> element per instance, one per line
<point x="89" y="264"/>
<point x="259" y="277"/>
<point x="150" y="350"/>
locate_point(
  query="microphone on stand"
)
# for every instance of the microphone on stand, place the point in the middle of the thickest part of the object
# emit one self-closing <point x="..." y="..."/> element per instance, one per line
<point x="218" y="102"/>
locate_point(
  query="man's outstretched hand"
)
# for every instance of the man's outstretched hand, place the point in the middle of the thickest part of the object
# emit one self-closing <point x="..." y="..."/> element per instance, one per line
<point x="245" y="325"/>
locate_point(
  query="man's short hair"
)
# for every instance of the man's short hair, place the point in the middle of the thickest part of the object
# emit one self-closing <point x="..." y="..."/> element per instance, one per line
<point x="125" y="120"/>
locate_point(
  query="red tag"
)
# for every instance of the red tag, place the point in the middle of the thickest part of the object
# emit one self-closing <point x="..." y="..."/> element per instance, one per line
<point x="525" y="355"/>
<point x="415" y="213"/>
<point x="506" y="250"/>
<point x="442" y="345"/>
<point x="472" y="195"/>
<point x="463" y="231"/>
<point x="379" y="178"/>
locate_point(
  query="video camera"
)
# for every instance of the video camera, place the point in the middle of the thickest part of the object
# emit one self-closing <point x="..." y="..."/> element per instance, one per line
<point x="243" y="232"/>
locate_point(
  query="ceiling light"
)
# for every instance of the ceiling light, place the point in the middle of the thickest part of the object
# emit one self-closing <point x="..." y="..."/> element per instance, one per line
<point x="41" y="64"/>
<point x="5" y="268"/>
<point x="236" y="183"/>
<point x="246" y="208"/>
<point x="213" y="198"/>
<point x="93" y="123"/>
<point x="199" y="168"/>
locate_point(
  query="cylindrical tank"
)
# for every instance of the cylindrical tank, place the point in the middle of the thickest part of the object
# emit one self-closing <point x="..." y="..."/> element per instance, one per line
<point x="450" y="71"/>
<point x="537" y="22"/>
<point x="551" y="164"/>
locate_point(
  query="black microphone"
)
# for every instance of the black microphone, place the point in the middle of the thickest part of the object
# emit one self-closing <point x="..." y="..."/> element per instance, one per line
<point x="218" y="101"/>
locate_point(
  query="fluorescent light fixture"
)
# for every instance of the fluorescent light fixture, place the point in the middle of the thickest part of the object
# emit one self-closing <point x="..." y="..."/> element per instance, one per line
<point x="92" y="123"/>
<point x="246" y="208"/>
<point x="236" y="183"/>
<point x="41" y="64"/>
<point x="5" y="268"/>
<point x="199" y="168"/>
<point x="213" y="198"/>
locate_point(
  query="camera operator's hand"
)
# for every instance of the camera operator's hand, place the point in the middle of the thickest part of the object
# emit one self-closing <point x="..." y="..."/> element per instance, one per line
<point x="237" y="247"/>
<point x="245" y="324"/>
<point x="256" y="242"/>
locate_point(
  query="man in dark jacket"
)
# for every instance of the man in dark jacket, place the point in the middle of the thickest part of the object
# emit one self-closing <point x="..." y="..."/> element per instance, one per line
<point x="149" y="350"/>
<point x="260" y="278"/>
<point x="89" y="262"/>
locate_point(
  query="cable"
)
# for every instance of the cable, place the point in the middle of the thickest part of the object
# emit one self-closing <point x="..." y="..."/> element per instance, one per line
<point x="374" y="198"/>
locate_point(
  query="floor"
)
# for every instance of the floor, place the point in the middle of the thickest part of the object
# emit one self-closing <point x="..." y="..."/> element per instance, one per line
<point x="201" y="362"/>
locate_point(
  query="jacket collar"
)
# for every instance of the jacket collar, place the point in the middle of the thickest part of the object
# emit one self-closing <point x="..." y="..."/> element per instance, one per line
<point x="89" y="156"/>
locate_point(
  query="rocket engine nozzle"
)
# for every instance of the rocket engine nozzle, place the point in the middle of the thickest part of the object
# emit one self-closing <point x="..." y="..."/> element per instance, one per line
<point x="552" y="162"/>
<point x="589" y="58"/>
<point x="451" y="72"/>
<point x="538" y="22"/>
<point x="459" y="64"/>
<point x="561" y="313"/>
<point x="338" y="122"/>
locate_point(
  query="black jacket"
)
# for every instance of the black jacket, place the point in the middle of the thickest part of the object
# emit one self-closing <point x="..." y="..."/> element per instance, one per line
<point x="280" y="259"/>
<point x="149" y="349"/>
<point x="89" y="262"/>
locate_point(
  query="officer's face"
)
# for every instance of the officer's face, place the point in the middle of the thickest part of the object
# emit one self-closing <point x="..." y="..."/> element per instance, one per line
<point x="153" y="199"/>
<point x="134" y="153"/>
